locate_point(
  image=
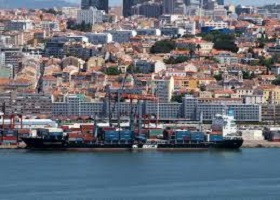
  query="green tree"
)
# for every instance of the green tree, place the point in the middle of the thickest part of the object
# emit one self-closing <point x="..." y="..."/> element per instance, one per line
<point x="176" y="60"/>
<point x="276" y="81"/>
<point x="163" y="46"/>
<point x="112" y="71"/>
<point x="221" y="41"/>
<point x="132" y="69"/>
<point x="218" y="77"/>
<point x="246" y="75"/>
<point x="198" y="47"/>
<point x="177" y="98"/>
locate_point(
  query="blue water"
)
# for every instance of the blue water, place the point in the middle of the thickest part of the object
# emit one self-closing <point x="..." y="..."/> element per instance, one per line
<point x="247" y="174"/>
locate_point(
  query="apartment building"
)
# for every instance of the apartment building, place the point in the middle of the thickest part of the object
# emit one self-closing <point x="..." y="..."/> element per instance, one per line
<point x="26" y="104"/>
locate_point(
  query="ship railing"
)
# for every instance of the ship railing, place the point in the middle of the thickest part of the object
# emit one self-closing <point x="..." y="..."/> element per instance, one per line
<point x="233" y="137"/>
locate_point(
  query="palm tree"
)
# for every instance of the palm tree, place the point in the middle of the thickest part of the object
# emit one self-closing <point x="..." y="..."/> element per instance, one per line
<point x="198" y="47"/>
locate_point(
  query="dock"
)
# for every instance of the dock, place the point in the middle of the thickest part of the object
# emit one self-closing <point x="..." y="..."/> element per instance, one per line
<point x="260" y="144"/>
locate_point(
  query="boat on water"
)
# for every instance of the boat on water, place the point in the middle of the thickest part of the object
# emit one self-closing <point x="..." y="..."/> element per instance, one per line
<point x="223" y="134"/>
<point x="56" y="139"/>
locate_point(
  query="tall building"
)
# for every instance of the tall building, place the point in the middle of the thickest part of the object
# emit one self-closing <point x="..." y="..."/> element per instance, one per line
<point x="168" y="6"/>
<point x="128" y="4"/>
<point x="148" y="9"/>
<point x="174" y="6"/>
<point x="221" y="2"/>
<point x="90" y="16"/>
<point x="99" y="4"/>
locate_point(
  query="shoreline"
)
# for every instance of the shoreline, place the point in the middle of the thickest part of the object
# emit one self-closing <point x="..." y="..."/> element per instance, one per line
<point x="260" y="144"/>
<point x="246" y="144"/>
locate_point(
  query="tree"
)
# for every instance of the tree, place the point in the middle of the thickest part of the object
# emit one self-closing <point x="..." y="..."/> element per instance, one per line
<point x="221" y="40"/>
<point x="188" y="36"/>
<point x="176" y="60"/>
<point x="267" y="62"/>
<point x="246" y="74"/>
<point x="163" y="46"/>
<point x="218" y="77"/>
<point x="132" y="69"/>
<point x="177" y="98"/>
<point x="112" y="71"/>
<point x="198" y="47"/>
<point x="276" y="81"/>
<point x="202" y="87"/>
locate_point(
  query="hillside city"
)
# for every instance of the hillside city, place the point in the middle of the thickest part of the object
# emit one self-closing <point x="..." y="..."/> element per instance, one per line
<point x="176" y="60"/>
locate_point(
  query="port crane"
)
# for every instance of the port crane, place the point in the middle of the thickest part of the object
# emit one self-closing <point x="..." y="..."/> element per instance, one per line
<point x="133" y="94"/>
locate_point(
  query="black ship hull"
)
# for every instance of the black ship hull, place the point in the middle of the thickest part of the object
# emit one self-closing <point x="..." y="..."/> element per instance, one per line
<point x="181" y="147"/>
<point x="52" y="144"/>
<point x="228" y="144"/>
<point x="195" y="146"/>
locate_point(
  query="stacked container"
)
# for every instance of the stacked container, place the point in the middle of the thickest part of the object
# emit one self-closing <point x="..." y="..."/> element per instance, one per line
<point x="9" y="137"/>
<point x="111" y="135"/>
<point x="75" y="137"/>
<point x="9" y="140"/>
<point x="126" y="135"/>
<point x="22" y="133"/>
<point x="216" y="137"/>
<point x="197" y="136"/>
<point x="182" y="136"/>
<point x="153" y="133"/>
<point x="87" y="129"/>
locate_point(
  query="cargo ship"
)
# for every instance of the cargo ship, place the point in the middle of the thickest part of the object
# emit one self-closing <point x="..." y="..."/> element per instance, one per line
<point x="57" y="139"/>
<point x="223" y="134"/>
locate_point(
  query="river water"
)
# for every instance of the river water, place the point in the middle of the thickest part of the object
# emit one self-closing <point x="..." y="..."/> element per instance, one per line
<point x="212" y="175"/>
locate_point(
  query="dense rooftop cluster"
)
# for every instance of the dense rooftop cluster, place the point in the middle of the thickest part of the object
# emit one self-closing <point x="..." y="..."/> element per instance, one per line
<point x="224" y="53"/>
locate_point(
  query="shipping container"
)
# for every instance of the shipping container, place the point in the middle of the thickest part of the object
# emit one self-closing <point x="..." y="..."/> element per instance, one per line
<point x="23" y="131"/>
<point x="75" y="129"/>
<point x="76" y="139"/>
<point x="155" y="132"/>
<point x="111" y="135"/>
<point x="87" y="127"/>
<point x="216" y="138"/>
<point x="8" y="132"/>
<point x="9" y="142"/>
<point x="9" y="138"/>
<point x="181" y="134"/>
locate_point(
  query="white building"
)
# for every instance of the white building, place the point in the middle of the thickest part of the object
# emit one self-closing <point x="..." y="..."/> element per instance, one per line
<point x="70" y="12"/>
<point x="90" y="16"/>
<point x="227" y="58"/>
<point x="163" y="89"/>
<point x="19" y="25"/>
<point x="122" y="36"/>
<point x="190" y="27"/>
<point x="167" y="18"/>
<point x="149" y="31"/>
<point x="275" y="69"/>
<point x="216" y="24"/>
<point x="99" y="38"/>
<point x="171" y="31"/>
<point x="146" y="66"/>
<point x="50" y="25"/>
<point x="5" y="40"/>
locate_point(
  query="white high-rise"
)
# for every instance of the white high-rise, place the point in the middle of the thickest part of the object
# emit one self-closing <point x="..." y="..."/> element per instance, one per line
<point x="90" y="16"/>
